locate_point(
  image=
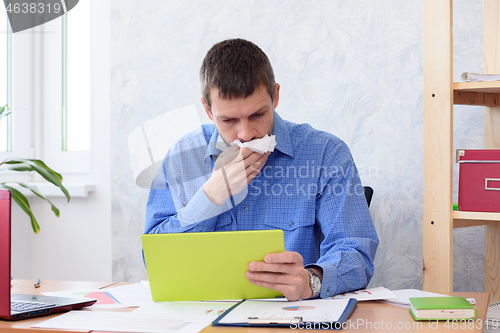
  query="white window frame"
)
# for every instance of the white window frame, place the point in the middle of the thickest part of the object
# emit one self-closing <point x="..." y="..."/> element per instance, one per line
<point x="37" y="104"/>
<point x="74" y="164"/>
<point x="20" y="103"/>
<point x="8" y="67"/>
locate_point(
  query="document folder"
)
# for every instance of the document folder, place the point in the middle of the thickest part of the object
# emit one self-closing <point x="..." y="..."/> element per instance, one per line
<point x="308" y="314"/>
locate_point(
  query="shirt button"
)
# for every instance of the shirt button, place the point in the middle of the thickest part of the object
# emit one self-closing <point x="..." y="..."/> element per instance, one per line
<point x="245" y="207"/>
<point x="290" y="224"/>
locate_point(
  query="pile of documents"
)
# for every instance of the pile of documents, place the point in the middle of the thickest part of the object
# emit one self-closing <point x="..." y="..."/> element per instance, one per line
<point x="144" y="315"/>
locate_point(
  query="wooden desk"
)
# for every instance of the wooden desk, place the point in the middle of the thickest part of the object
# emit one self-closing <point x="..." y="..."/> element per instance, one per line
<point x="371" y="316"/>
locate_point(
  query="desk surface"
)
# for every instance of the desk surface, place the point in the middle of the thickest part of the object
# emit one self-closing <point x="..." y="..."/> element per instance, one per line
<point x="368" y="316"/>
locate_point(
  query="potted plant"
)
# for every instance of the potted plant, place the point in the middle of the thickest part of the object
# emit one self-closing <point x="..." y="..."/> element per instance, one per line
<point x="29" y="165"/>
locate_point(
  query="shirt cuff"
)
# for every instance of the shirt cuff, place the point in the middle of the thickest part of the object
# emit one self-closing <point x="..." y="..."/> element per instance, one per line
<point x="329" y="282"/>
<point x="200" y="208"/>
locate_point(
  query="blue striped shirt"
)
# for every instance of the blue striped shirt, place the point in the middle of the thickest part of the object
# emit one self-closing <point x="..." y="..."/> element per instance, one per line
<point x="309" y="188"/>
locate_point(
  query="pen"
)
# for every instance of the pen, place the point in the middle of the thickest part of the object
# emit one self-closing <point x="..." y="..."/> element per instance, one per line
<point x="37" y="283"/>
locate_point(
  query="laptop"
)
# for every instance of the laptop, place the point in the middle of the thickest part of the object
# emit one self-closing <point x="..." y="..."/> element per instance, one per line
<point x="21" y="306"/>
<point x="206" y="266"/>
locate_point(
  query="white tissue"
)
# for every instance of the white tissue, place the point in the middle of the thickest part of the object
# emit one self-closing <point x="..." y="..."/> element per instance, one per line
<point x="261" y="146"/>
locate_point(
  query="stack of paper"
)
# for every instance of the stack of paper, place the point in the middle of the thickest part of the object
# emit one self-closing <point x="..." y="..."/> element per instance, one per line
<point x="403" y="296"/>
<point x="178" y="317"/>
<point x="136" y="294"/>
<point x="117" y="322"/>
<point x="370" y="294"/>
<point x="468" y="77"/>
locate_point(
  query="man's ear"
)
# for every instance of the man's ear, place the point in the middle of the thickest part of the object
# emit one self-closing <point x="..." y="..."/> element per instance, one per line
<point x="207" y="108"/>
<point x="276" y="98"/>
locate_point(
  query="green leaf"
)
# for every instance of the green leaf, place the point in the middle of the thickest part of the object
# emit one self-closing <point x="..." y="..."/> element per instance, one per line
<point x="21" y="200"/>
<point x="2" y="110"/>
<point x="43" y="170"/>
<point x="34" y="164"/>
<point x="16" y="167"/>
<point x="41" y="164"/>
<point x="39" y="194"/>
<point x="14" y="160"/>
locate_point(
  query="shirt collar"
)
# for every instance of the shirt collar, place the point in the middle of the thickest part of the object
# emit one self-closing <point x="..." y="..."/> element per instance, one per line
<point x="283" y="143"/>
<point x="215" y="146"/>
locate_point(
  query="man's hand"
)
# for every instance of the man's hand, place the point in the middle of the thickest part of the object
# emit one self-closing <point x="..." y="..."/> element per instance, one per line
<point x="233" y="171"/>
<point x="283" y="272"/>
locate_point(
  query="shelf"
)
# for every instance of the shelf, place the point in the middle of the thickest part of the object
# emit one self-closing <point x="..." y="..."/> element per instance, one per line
<point x="484" y="93"/>
<point x="470" y="219"/>
<point x="480" y="86"/>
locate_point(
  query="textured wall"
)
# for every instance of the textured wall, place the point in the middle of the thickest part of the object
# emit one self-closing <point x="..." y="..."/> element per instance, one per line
<point x="352" y="68"/>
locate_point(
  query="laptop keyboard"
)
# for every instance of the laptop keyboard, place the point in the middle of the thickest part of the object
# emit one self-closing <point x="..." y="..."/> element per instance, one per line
<point x="22" y="306"/>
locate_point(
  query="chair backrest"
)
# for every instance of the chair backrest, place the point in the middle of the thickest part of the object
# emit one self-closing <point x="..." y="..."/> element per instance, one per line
<point x="368" y="194"/>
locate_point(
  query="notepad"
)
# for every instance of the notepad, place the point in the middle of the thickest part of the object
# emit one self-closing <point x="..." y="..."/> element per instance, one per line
<point x="493" y="312"/>
<point x="441" y="308"/>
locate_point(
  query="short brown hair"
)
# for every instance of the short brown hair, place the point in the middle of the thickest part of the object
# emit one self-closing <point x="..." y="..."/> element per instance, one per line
<point x="236" y="67"/>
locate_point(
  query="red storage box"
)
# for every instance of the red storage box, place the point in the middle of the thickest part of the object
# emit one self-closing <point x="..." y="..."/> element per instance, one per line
<point x="479" y="180"/>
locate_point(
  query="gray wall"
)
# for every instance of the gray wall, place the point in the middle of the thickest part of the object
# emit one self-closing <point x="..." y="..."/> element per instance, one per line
<point x="352" y="68"/>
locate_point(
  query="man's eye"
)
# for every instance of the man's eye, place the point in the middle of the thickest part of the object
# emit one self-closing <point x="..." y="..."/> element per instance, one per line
<point x="227" y="120"/>
<point x="258" y="115"/>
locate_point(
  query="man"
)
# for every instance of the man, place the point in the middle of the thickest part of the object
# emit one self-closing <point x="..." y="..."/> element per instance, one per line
<point x="308" y="186"/>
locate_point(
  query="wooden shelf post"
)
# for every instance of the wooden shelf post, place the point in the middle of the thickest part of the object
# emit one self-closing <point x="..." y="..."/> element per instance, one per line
<point x="491" y="37"/>
<point x="438" y="146"/>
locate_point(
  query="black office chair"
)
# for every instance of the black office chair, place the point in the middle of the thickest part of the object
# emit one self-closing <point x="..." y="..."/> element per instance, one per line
<point x="368" y="194"/>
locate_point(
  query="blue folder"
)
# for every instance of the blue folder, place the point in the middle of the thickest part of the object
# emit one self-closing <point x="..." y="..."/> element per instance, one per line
<point x="291" y="323"/>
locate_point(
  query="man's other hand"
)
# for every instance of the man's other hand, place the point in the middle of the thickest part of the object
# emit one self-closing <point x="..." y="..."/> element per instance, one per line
<point x="283" y="272"/>
<point x="233" y="171"/>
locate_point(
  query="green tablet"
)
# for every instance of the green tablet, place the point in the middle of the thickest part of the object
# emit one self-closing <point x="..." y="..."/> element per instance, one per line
<point x="207" y="265"/>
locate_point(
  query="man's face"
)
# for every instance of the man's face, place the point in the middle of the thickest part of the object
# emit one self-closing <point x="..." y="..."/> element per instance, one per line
<point x="243" y="118"/>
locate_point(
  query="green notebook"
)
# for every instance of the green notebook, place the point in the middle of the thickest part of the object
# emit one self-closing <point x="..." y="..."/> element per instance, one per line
<point x="441" y="308"/>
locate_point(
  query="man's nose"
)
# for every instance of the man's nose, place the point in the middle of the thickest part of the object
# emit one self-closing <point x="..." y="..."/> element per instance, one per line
<point x="246" y="132"/>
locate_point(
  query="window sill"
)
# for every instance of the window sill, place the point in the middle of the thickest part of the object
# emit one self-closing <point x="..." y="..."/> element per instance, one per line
<point x="76" y="190"/>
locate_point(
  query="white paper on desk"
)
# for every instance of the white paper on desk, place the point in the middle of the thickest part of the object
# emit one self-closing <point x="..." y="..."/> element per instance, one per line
<point x="195" y="312"/>
<point x="403" y="296"/>
<point x="117" y="322"/>
<point x="145" y="287"/>
<point x="135" y="294"/>
<point x="318" y="310"/>
<point x="369" y="294"/>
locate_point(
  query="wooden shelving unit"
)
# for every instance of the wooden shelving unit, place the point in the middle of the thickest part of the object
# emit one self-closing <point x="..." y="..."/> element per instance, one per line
<point x="440" y="94"/>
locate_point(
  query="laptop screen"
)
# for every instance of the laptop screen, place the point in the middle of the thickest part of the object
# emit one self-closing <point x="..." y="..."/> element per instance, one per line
<point x="4" y="253"/>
